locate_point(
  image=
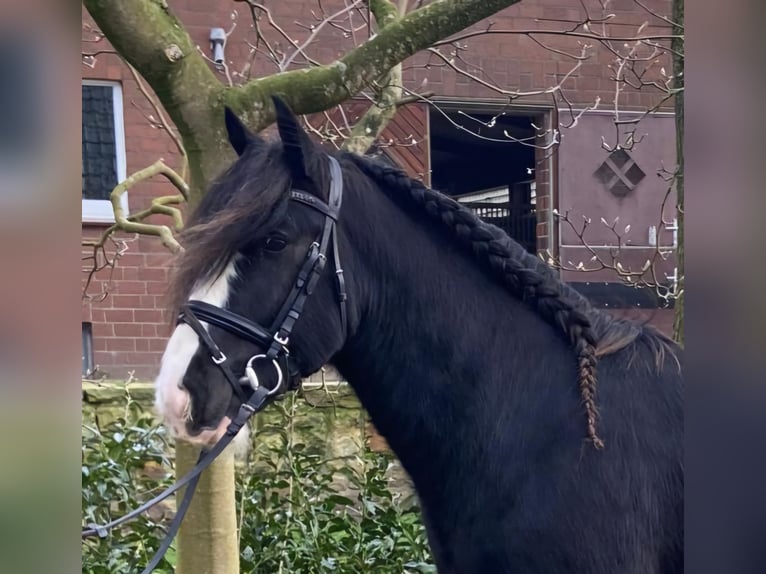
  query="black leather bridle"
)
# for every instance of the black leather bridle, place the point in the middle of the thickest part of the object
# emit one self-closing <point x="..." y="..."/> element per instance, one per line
<point x="272" y="342"/>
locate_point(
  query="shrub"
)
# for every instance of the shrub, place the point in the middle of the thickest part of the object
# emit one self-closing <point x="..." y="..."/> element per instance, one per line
<point x="124" y="464"/>
<point x="299" y="512"/>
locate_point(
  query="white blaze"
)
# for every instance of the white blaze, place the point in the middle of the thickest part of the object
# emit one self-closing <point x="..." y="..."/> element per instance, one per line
<point x="171" y="399"/>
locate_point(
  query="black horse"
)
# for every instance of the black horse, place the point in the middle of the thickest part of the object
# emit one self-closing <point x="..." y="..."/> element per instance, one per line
<point x="473" y="359"/>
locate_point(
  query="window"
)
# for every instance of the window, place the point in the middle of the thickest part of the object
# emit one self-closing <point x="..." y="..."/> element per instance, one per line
<point x="103" y="149"/>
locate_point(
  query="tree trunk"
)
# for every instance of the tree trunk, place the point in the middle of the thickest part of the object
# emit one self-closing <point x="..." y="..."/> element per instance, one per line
<point x="383" y="109"/>
<point x="678" y="73"/>
<point x="207" y="542"/>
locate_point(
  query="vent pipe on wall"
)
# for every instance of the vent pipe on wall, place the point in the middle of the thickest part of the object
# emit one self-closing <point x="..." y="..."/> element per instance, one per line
<point x="217" y="43"/>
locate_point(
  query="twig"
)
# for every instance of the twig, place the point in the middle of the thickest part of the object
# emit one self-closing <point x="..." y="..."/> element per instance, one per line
<point x="281" y="31"/>
<point x="315" y="30"/>
<point x="567" y="33"/>
<point x="645" y="277"/>
<point x="158" y="110"/>
<point x="99" y="258"/>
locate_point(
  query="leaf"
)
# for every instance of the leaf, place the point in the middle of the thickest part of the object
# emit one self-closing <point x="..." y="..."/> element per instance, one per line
<point x="328" y="563"/>
<point x="340" y="500"/>
<point x="370" y="506"/>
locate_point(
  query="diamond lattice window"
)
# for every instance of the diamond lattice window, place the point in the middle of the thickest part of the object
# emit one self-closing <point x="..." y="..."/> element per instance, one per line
<point x="619" y="173"/>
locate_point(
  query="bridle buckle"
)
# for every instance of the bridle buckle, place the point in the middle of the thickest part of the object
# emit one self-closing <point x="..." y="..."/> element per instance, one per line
<point x="221" y="358"/>
<point x="282" y="340"/>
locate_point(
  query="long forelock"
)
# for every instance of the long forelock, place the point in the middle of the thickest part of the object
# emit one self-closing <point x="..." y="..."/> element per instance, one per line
<point x="243" y="204"/>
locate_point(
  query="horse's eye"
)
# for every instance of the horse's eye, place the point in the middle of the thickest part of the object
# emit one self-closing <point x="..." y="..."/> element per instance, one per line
<point x="274" y="243"/>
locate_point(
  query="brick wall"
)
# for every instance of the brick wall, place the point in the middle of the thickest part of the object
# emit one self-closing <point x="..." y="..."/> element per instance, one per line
<point x="130" y="325"/>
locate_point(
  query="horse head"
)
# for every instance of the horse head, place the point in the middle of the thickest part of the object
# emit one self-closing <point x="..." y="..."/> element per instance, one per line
<point x="256" y="249"/>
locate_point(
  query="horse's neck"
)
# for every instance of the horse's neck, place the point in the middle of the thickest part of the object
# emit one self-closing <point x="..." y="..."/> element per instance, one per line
<point x="436" y="351"/>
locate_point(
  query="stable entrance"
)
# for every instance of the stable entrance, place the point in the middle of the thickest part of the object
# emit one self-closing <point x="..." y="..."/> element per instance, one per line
<point x="474" y="161"/>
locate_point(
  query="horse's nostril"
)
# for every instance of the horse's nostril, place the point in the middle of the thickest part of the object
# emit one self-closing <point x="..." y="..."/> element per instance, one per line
<point x="191" y="430"/>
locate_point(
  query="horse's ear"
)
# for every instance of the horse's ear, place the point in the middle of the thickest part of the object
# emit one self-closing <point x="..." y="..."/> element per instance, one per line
<point x="239" y="136"/>
<point x="297" y="145"/>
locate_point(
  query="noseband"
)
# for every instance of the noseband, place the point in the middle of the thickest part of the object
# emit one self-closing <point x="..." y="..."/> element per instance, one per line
<point x="272" y="343"/>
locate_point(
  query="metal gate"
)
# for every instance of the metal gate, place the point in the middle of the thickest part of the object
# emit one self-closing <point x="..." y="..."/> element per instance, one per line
<point x="518" y="221"/>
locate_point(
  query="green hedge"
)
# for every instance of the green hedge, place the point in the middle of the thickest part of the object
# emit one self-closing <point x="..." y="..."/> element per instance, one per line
<point x="313" y="496"/>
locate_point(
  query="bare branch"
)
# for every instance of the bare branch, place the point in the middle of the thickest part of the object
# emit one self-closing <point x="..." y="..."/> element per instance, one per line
<point x="99" y="258"/>
<point x="315" y="30"/>
<point x="156" y="43"/>
<point x="512" y="94"/>
<point x="659" y="16"/>
<point x="377" y="116"/>
<point x="260" y="38"/>
<point x="316" y="89"/>
<point x="89" y="58"/>
<point x="647" y="276"/>
<point x="161" y="120"/>
<point x="567" y="33"/>
<point x="161" y="205"/>
<point x="298" y="50"/>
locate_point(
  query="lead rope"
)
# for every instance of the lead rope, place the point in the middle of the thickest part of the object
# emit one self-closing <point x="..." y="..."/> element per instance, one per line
<point x="174" y="526"/>
<point x="246" y="410"/>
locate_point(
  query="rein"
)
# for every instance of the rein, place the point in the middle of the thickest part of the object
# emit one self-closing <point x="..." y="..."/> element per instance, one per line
<point x="274" y="340"/>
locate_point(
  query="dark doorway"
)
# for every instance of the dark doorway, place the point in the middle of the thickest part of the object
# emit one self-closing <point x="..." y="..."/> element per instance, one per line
<point x="474" y="161"/>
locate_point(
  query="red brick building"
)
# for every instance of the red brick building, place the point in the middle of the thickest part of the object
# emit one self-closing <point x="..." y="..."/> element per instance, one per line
<point x="512" y="183"/>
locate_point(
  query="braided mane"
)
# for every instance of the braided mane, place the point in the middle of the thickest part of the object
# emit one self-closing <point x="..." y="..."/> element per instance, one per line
<point x="591" y="332"/>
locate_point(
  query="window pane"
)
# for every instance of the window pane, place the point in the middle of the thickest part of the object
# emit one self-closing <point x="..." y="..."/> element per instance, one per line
<point x="87" y="349"/>
<point x="99" y="160"/>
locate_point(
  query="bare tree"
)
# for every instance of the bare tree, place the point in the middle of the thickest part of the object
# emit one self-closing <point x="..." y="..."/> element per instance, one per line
<point x="152" y="39"/>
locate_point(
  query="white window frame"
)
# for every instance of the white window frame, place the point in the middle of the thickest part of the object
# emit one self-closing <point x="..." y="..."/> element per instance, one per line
<point x="100" y="210"/>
